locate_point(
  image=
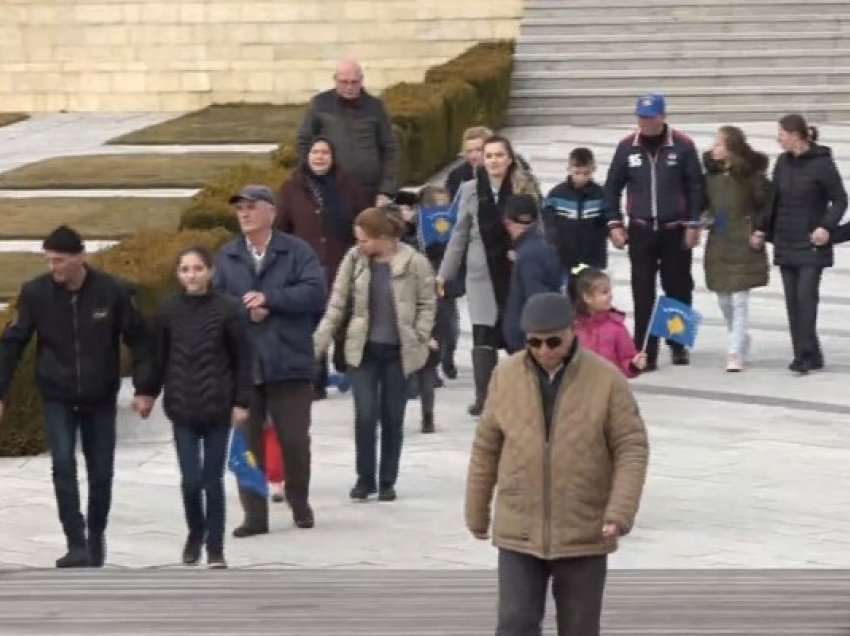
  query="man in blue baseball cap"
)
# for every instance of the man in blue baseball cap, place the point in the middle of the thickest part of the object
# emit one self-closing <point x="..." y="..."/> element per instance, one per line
<point x="660" y="170"/>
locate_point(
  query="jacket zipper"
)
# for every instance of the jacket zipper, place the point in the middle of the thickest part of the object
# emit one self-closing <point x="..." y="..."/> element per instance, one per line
<point x="75" y="307"/>
<point x="653" y="163"/>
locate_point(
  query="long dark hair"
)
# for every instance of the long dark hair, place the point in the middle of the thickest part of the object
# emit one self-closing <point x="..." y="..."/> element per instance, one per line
<point x="797" y="125"/>
<point x="582" y="283"/>
<point x="742" y="157"/>
<point x="204" y="253"/>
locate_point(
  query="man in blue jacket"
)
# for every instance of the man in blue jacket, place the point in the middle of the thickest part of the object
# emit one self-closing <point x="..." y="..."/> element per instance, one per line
<point x="660" y="170"/>
<point x="281" y="284"/>
<point x="537" y="267"/>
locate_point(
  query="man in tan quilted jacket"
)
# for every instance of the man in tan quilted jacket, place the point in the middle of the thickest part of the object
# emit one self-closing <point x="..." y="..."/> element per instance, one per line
<point x="562" y="441"/>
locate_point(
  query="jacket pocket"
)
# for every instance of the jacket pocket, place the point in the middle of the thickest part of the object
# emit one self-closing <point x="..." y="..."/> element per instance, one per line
<point x="511" y="522"/>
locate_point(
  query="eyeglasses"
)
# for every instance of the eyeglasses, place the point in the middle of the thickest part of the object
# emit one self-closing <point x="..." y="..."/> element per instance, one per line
<point x="552" y="342"/>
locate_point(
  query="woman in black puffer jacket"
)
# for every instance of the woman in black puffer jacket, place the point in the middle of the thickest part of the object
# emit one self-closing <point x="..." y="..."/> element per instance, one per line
<point x="808" y="205"/>
<point x="204" y="369"/>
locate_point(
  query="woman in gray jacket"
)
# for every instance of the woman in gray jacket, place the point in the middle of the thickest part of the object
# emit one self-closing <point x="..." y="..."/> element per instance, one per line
<point x="481" y="242"/>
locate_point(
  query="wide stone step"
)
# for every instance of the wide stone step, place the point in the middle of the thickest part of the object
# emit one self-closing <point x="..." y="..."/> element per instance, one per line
<point x="819" y="111"/>
<point x="631" y="45"/>
<point x="613" y="23"/>
<point x="780" y="97"/>
<point x="526" y="76"/>
<point x="679" y="8"/>
<point x="768" y="56"/>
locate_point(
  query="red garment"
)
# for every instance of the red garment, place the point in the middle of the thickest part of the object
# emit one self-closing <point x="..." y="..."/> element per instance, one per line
<point x="274" y="456"/>
<point x="606" y="335"/>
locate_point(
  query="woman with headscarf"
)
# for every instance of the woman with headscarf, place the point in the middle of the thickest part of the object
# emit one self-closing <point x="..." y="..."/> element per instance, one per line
<point x="318" y="204"/>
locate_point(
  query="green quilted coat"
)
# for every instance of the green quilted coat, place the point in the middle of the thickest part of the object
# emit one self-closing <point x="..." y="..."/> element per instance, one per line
<point x="735" y="198"/>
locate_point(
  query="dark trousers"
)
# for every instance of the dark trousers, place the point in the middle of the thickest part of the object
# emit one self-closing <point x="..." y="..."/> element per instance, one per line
<point x="201" y="452"/>
<point x="288" y="405"/>
<point x="802" y="295"/>
<point x="97" y="430"/>
<point x="447" y="323"/>
<point x="380" y="395"/>
<point x="652" y="252"/>
<point x="426" y="380"/>
<point x="577" y="586"/>
<point x="488" y="336"/>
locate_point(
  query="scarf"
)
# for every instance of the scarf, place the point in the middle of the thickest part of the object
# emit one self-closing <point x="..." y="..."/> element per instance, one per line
<point x="497" y="242"/>
<point x="335" y="213"/>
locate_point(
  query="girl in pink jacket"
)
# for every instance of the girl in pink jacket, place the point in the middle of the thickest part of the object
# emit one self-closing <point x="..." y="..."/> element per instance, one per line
<point x="599" y="327"/>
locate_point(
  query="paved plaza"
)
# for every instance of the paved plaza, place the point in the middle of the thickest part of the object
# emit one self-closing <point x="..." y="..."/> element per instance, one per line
<point x="746" y="470"/>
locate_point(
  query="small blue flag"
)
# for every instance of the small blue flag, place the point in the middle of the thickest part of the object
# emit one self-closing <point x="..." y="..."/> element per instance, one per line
<point x="676" y="321"/>
<point x="436" y="224"/>
<point x="244" y="466"/>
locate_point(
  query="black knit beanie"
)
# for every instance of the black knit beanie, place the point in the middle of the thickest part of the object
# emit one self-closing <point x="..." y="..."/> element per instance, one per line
<point x="63" y="239"/>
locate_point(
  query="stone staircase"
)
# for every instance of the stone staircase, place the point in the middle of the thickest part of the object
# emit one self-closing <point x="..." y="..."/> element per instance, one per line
<point x="585" y="61"/>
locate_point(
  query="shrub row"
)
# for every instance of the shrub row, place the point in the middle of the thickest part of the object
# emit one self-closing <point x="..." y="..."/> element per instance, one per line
<point x="428" y="117"/>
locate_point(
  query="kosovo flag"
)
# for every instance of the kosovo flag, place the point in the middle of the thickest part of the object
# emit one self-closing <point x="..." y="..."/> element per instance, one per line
<point x="674" y="320"/>
<point x="436" y="224"/>
<point x="244" y="466"/>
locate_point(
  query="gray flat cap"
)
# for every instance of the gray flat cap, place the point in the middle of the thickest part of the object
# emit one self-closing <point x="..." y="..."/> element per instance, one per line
<point x="254" y="193"/>
<point x="545" y="313"/>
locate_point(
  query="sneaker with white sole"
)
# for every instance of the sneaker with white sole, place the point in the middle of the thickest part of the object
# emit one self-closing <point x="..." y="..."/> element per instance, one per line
<point x="734" y="363"/>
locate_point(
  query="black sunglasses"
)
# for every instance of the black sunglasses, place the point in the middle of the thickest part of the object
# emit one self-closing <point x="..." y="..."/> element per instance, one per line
<point x="552" y="342"/>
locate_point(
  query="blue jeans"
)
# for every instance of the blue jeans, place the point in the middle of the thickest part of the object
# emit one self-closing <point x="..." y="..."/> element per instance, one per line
<point x="380" y="394"/>
<point x="201" y="453"/>
<point x="97" y="430"/>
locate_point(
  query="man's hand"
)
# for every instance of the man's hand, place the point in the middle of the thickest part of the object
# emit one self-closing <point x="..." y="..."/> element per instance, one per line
<point x="820" y="237"/>
<point x="143" y="405"/>
<point x="618" y="237"/>
<point x="481" y="535"/>
<point x="254" y="299"/>
<point x="757" y="241"/>
<point x="441" y="286"/>
<point x="610" y="532"/>
<point x="692" y="235"/>
<point x="239" y="416"/>
<point x="258" y="314"/>
<point x="381" y="200"/>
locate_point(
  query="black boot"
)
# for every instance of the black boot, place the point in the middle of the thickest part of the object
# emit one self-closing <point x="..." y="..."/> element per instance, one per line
<point x="97" y="550"/>
<point x="77" y="557"/>
<point x="192" y="550"/>
<point x="484" y="360"/>
<point x="428" y="423"/>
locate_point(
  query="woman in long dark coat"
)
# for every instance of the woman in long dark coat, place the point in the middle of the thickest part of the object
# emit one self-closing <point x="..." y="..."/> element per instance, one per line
<point x="318" y="204"/>
<point x="808" y="205"/>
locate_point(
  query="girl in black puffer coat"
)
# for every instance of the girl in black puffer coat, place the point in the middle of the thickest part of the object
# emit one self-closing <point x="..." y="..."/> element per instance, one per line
<point x="204" y="368"/>
<point x="808" y="204"/>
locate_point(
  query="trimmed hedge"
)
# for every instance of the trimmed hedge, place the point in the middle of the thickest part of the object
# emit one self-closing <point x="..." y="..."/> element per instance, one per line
<point x="428" y="118"/>
<point x="147" y="260"/>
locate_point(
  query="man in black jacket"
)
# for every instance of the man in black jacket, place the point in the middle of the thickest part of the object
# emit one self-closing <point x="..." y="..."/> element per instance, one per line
<point x="660" y="170"/>
<point x="360" y="129"/>
<point x="80" y="316"/>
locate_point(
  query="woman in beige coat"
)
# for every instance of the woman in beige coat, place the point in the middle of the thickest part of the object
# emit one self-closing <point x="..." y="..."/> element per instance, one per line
<point x="383" y="300"/>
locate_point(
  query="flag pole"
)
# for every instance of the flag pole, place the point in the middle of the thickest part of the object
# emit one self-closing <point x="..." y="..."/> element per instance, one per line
<point x="648" y="333"/>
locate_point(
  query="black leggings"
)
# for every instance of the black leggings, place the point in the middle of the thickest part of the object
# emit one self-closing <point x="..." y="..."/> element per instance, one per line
<point x="488" y="336"/>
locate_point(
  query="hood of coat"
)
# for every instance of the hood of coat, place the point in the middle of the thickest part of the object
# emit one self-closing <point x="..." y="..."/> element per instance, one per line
<point x="757" y="162"/>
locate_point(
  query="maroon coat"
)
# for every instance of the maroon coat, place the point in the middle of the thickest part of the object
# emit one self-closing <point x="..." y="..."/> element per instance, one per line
<point x="298" y="213"/>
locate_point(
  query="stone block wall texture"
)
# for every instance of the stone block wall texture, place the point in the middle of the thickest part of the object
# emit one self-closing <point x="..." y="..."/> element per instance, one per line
<point x="176" y="55"/>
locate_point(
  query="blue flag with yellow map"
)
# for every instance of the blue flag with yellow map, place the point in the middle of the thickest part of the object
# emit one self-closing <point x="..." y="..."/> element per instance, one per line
<point x="676" y="321"/>
<point x="244" y="465"/>
<point x="436" y="224"/>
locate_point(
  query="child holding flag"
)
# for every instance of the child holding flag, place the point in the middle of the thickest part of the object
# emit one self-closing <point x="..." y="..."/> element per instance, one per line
<point x="598" y="326"/>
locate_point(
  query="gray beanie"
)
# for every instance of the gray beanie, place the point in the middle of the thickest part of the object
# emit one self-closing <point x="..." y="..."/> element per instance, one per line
<point x="545" y="313"/>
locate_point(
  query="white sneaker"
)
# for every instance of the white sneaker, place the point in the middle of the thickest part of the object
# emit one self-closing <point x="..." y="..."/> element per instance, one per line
<point x="734" y="363"/>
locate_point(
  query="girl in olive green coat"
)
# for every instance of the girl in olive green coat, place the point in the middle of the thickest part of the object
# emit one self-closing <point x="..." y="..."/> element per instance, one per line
<point x="737" y="192"/>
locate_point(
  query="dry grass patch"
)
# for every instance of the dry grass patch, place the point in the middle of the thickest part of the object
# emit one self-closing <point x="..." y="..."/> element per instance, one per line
<point x="222" y="124"/>
<point x="93" y="217"/>
<point x="12" y="118"/>
<point x="190" y="170"/>
<point x="16" y="268"/>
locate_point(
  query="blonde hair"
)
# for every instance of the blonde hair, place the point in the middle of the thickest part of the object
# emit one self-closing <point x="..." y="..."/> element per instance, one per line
<point x="476" y="132"/>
